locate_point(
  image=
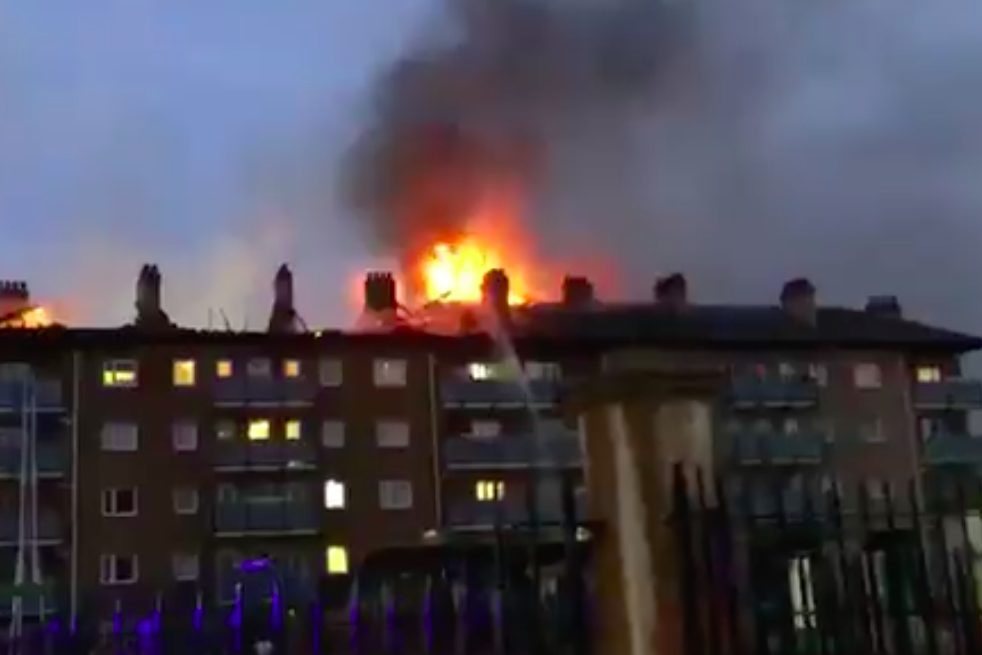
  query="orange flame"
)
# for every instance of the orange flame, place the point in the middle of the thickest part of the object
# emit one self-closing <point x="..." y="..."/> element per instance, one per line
<point x="30" y="319"/>
<point x="454" y="272"/>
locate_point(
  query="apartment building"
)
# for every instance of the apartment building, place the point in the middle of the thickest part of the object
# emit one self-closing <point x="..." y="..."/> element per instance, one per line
<point x="152" y="464"/>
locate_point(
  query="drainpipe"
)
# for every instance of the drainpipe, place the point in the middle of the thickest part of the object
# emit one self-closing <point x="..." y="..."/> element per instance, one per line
<point x="435" y="439"/>
<point x="76" y="402"/>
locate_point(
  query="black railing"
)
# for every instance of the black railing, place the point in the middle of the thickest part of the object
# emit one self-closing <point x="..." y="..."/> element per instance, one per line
<point x="836" y="572"/>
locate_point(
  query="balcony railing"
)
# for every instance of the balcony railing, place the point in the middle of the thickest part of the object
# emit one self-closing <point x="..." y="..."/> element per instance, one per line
<point x="748" y="448"/>
<point x="954" y="393"/>
<point x="49" y="528"/>
<point x="268" y="518"/>
<point x="464" y="392"/>
<point x="471" y="514"/>
<point x="46" y="395"/>
<point x="264" y="391"/>
<point x="513" y="451"/>
<point x="258" y="587"/>
<point x="774" y="392"/>
<point x="35" y="599"/>
<point x="237" y="455"/>
<point x="953" y="449"/>
<point x="52" y="460"/>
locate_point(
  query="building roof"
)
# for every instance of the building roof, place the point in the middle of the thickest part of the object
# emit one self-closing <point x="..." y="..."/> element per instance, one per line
<point x="548" y="326"/>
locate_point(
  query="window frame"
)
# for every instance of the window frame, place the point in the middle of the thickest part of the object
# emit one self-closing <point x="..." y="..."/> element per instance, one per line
<point x="109" y="569"/>
<point x="109" y="502"/>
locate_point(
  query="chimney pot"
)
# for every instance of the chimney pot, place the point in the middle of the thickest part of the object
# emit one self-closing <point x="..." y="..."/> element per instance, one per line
<point x="578" y="291"/>
<point x="495" y="290"/>
<point x="884" y="306"/>
<point x="798" y="299"/>
<point x="672" y="291"/>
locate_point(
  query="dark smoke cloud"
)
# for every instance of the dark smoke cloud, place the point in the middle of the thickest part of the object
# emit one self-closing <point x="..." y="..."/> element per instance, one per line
<point x="740" y="141"/>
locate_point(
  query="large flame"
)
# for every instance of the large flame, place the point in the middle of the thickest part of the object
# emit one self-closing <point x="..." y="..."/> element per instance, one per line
<point x="454" y="272"/>
<point x="29" y="318"/>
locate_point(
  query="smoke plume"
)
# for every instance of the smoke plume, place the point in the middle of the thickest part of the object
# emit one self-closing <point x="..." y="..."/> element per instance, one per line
<point x="742" y="142"/>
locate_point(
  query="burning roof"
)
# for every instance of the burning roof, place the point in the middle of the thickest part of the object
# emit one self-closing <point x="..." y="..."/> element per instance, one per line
<point x="16" y="309"/>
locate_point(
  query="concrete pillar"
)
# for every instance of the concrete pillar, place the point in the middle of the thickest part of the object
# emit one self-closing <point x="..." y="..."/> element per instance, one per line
<point x="635" y="427"/>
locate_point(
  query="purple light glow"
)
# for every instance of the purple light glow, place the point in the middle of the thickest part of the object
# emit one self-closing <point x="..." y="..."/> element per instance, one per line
<point x="253" y="565"/>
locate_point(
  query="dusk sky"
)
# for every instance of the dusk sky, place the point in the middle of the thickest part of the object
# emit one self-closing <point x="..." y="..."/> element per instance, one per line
<point x="198" y="135"/>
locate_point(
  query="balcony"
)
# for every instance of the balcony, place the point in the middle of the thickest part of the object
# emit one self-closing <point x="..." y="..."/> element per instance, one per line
<point x="237" y="455"/>
<point x="42" y="396"/>
<point x="805" y="448"/>
<point x="52" y="461"/>
<point x="49" y="528"/>
<point x="460" y="391"/>
<point x="256" y="585"/>
<point x="513" y="451"/>
<point x="266" y="518"/>
<point x="953" y="393"/>
<point x="36" y="599"/>
<point x="953" y="450"/>
<point x="779" y="392"/>
<point x="264" y="392"/>
<point x="474" y="515"/>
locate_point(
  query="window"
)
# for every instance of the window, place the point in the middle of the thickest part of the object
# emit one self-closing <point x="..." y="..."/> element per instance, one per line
<point x="258" y="430"/>
<point x="871" y="431"/>
<point x="291" y="368"/>
<point x="330" y="373"/>
<point x="185" y="566"/>
<point x="184" y="435"/>
<point x="867" y="376"/>
<point x="119" y="373"/>
<point x="392" y="434"/>
<point x="395" y="494"/>
<point x="119" y="502"/>
<point x="485" y="429"/>
<point x="390" y="373"/>
<point x="224" y="368"/>
<point x="120" y="437"/>
<point x="258" y="368"/>
<point x="292" y="430"/>
<point x="334" y="495"/>
<point x="543" y="371"/>
<point x="118" y="569"/>
<point x="876" y="489"/>
<point x="480" y="371"/>
<point x="185" y="500"/>
<point x="785" y="370"/>
<point x="336" y="560"/>
<point x="819" y="373"/>
<point x="928" y="374"/>
<point x="791" y="426"/>
<point x="226" y="430"/>
<point x="184" y="373"/>
<point x="489" y="490"/>
<point x="332" y="434"/>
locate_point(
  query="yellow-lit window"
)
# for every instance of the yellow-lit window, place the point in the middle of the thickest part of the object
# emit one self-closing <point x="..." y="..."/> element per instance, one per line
<point x="291" y="368"/>
<point x="928" y="374"/>
<point x="336" y="560"/>
<point x="258" y="430"/>
<point x="292" y="430"/>
<point x="119" y="373"/>
<point x="223" y="368"/>
<point x="489" y="490"/>
<point x="184" y="373"/>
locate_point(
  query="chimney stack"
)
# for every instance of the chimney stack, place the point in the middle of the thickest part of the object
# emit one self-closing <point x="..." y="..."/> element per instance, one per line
<point x="798" y="300"/>
<point x="888" y="306"/>
<point x="672" y="291"/>
<point x="495" y="290"/>
<point x="380" y="292"/>
<point x="577" y="291"/>
<point x="149" y="310"/>
<point x="14" y="297"/>
<point x="283" y="317"/>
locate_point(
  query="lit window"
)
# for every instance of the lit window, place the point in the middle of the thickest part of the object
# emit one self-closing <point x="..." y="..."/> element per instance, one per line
<point x="291" y="368"/>
<point x="223" y="368"/>
<point x="333" y="494"/>
<point x="258" y="430"/>
<point x="119" y="373"/>
<point x="479" y="371"/>
<point x="489" y="490"/>
<point x="867" y="376"/>
<point x="183" y="373"/>
<point x="390" y="373"/>
<point x="292" y="430"/>
<point x="337" y="560"/>
<point x="928" y="374"/>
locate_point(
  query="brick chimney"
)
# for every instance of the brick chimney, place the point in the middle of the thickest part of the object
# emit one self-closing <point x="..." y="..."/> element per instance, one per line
<point x="495" y="290"/>
<point x="283" y="318"/>
<point x="149" y="310"/>
<point x="888" y="306"/>
<point x="380" y="292"/>
<point x="798" y="300"/>
<point x="14" y="297"/>
<point x="578" y="291"/>
<point x="672" y="291"/>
